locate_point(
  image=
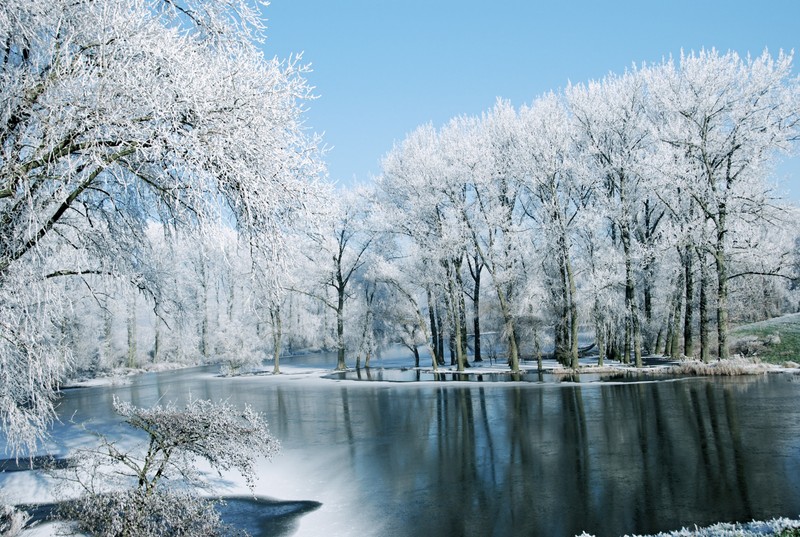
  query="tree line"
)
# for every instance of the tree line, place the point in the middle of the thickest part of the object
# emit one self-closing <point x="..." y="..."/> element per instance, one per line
<point x="638" y="212"/>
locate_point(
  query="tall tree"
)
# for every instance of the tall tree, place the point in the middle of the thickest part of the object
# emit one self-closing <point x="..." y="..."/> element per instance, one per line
<point x="727" y="117"/>
<point x="554" y="196"/>
<point x="611" y="116"/>
<point x="491" y="216"/>
<point x="338" y="253"/>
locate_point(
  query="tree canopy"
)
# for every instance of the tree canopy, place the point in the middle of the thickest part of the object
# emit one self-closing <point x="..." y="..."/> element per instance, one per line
<point x="115" y="115"/>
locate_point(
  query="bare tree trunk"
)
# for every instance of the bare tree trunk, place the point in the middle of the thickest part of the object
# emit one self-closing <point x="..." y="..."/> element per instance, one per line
<point x="670" y="329"/>
<point x="277" y="335"/>
<point x="440" y="339"/>
<point x="231" y="297"/>
<point x="108" y="341"/>
<point x="561" y="336"/>
<point x="632" y="309"/>
<point x="132" y="352"/>
<point x="676" y="320"/>
<point x="455" y="313"/>
<point x="722" y="287"/>
<point x="476" y="308"/>
<point x="340" y="363"/>
<point x="537" y="349"/>
<point x="599" y="333"/>
<point x="704" y="328"/>
<point x="157" y="341"/>
<point x="508" y="319"/>
<point x="688" y="343"/>
<point x="462" y="313"/>
<point x="204" y="312"/>
<point x="434" y="331"/>
<point x="573" y="314"/>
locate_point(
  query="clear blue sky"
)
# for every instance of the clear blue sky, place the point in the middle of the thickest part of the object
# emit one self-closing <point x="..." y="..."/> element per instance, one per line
<point x="381" y="68"/>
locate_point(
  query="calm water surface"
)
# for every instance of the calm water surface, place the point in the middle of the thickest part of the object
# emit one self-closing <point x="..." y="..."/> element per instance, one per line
<point x="510" y="459"/>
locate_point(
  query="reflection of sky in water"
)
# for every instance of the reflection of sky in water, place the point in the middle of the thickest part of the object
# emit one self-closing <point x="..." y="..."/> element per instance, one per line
<point x="434" y="459"/>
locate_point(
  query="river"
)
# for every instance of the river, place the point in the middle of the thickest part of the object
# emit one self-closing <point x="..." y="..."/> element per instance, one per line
<point x="451" y="459"/>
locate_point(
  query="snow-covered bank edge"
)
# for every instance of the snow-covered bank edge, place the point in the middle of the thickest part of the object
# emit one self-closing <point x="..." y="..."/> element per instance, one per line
<point x="655" y="368"/>
<point x="778" y="527"/>
<point x="122" y="375"/>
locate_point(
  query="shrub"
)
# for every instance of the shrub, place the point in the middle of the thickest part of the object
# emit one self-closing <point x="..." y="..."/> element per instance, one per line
<point x="137" y="513"/>
<point x="11" y="521"/>
<point x="151" y="491"/>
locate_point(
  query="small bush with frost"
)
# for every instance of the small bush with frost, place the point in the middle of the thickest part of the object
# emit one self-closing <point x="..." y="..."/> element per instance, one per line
<point x="11" y="521"/>
<point x="152" y="491"/>
<point x="738" y="365"/>
<point x="778" y="527"/>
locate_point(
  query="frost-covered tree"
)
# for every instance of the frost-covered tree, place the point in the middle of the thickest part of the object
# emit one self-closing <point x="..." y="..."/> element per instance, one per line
<point x="611" y="116"/>
<point x="151" y="491"/>
<point x="555" y="192"/>
<point x="726" y="117"/>
<point x="336" y="253"/>
<point x="495" y="230"/>
<point x="117" y="114"/>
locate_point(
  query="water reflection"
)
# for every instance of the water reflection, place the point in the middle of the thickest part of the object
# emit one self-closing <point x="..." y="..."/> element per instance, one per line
<point x="527" y="459"/>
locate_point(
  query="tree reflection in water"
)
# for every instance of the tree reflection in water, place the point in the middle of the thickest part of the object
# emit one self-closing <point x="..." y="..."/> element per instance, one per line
<point x="526" y="459"/>
<point x="560" y="460"/>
